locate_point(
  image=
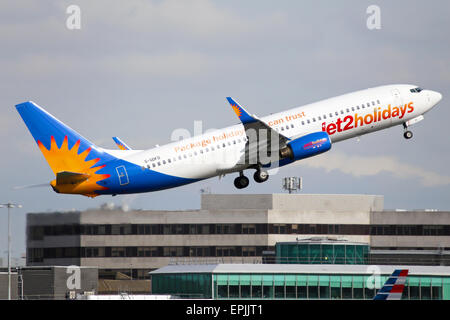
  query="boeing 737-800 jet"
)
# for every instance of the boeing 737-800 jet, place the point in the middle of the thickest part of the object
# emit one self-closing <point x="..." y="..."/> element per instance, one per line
<point x="81" y="167"/>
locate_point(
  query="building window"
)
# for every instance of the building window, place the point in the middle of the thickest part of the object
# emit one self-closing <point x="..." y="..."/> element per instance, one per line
<point x="248" y="229"/>
<point x="117" y="252"/>
<point x="249" y="251"/>
<point x="172" y="251"/>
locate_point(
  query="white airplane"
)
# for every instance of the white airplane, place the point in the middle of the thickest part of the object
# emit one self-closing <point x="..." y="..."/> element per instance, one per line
<point x="80" y="167"/>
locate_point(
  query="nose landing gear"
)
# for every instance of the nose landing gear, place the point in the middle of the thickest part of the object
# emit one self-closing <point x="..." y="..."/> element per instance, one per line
<point x="261" y="176"/>
<point x="407" y="134"/>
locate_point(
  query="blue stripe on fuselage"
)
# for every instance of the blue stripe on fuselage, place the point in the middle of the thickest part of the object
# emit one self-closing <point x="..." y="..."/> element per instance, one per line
<point x="138" y="178"/>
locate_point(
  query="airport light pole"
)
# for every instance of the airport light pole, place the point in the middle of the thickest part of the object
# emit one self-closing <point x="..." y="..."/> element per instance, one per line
<point x="9" y="205"/>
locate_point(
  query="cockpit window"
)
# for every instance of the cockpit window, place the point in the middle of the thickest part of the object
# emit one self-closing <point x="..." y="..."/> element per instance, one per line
<point x="418" y="89"/>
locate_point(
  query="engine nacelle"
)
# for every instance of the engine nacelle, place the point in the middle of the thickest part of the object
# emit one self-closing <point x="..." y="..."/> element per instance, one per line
<point x="307" y="146"/>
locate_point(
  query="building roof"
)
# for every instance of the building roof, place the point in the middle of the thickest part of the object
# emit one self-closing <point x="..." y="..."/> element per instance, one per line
<point x="301" y="268"/>
<point x="410" y="252"/>
<point x="294" y="202"/>
<point x="323" y="240"/>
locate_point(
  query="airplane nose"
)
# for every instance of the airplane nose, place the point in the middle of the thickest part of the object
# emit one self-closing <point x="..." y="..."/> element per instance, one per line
<point x="435" y="97"/>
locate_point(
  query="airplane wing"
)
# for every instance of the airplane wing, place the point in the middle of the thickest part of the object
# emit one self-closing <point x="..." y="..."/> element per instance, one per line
<point x="261" y="136"/>
<point x="393" y="288"/>
<point x="120" y="144"/>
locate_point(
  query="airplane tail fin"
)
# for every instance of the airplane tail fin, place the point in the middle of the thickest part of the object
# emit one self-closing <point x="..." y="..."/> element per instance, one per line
<point x="240" y="111"/>
<point x="64" y="149"/>
<point x="120" y="144"/>
<point x="393" y="288"/>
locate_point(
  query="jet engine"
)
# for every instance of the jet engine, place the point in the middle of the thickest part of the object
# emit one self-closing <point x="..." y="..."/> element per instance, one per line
<point x="307" y="146"/>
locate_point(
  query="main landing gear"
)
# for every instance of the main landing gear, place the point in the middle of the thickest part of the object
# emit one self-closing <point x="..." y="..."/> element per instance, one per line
<point x="242" y="181"/>
<point x="407" y="134"/>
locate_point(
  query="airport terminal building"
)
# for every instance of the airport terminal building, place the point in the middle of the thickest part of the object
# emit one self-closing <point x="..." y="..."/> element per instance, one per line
<point x="238" y="228"/>
<point x="296" y="281"/>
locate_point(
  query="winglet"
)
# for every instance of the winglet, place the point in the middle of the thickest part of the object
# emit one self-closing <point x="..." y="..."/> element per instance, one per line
<point x="393" y="288"/>
<point x="122" y="145"/>
<point x="242" y="114"/>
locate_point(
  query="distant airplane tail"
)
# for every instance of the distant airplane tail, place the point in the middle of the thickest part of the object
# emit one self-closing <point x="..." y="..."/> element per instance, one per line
<point x="393" y="288"/>
<point x="74" y="160"/>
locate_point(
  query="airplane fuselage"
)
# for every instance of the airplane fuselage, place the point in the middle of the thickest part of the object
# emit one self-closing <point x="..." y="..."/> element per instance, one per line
<point x="220" y="151"/>
<point x="80" y="167"/>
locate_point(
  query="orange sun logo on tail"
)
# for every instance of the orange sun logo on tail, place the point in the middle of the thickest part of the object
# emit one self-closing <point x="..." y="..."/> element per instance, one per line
<point x="122" y="147"/>
<point x="237" y="110"/>
<point x="64" y="159"/>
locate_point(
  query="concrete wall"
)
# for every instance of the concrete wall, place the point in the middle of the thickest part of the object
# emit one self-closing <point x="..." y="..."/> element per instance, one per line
<point x="38" y="283"/>
<point x="56" y="218"/>
<point x="294" y="202"/>
<point x="411" y="218"/>
<point x="53" y="282"/>
<point x="88" y="281"/>
<point x="4" y="286"/>
<point x="236" y="201"/>
<point x="215" y="209"/>
<point x="236" y="209"/>
<point x="173" y="217"/>
<point x="53" y="218"/>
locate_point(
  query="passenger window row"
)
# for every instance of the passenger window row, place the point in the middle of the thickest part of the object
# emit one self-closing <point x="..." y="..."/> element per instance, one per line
<point x="195" y="153"/>
<point x="343" y="111"/>
<point x="281" y="128"/>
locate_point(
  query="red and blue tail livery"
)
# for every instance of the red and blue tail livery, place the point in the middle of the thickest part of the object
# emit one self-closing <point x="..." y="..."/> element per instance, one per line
<point x="256" y="143"/>
<point x="393" y="288"/>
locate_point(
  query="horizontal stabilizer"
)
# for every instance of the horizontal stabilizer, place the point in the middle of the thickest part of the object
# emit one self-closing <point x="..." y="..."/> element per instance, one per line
<point x="66" y="177"/>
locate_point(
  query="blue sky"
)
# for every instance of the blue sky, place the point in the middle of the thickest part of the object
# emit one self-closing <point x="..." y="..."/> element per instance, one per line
<point x="141" y="69"/>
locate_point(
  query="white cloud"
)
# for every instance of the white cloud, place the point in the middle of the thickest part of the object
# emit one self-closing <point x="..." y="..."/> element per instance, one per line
<point x="360" y="166"/>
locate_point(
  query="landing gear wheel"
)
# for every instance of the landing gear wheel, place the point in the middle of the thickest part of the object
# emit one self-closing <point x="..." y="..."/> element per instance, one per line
<point x="260" y="176"/>
<point x="408" y="134"/>
<point x="241" y="182"/>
